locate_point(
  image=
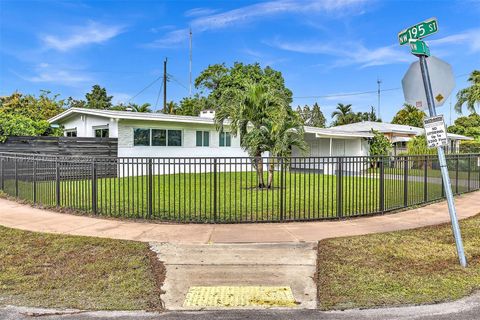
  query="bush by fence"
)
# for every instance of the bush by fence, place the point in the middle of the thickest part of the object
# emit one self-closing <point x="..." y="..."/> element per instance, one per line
<point x="224" y="190"/>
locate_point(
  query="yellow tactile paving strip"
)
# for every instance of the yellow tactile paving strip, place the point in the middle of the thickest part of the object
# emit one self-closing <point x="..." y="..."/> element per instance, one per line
<point x="240" y="296"/>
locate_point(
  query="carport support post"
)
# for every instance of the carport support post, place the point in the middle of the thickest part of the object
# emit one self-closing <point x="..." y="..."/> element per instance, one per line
<point x="443" y="166"/>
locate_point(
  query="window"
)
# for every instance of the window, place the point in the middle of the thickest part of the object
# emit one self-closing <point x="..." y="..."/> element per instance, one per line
<point x="159" y="137"/>
<point x="174" y="138"/>
<point x="141" y="137"/>
<point x="203" y="138"/>
<point x="101" y="133"/>
<point x="225" y="139"/>
<point x="71" y="133"/>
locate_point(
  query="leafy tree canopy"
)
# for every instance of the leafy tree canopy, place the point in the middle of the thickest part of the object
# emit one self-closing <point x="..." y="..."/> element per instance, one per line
<point x="418" y="146"/>
<point x="409" y="116"/>
<point x="19" y="125"/>
<point x="191" y="106"/>
<point x="218" y="79"/>
<point x="38" y="108"/>
<point x="312" y="117"/>
<point x="98" y="98"/>
<point x="379" y="144"/>
<point x="467" y="126"/>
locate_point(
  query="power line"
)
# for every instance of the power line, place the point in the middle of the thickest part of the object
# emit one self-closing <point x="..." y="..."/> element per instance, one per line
<point x="159" y="94"/>
<point x="148" y="86"/>
<point x="177" y="81"/>
<point x="346" y="94"/>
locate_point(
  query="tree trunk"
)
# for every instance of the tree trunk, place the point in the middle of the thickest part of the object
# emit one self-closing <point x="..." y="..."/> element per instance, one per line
<point x="271" y="170"/>
<point x="259" y="162"/>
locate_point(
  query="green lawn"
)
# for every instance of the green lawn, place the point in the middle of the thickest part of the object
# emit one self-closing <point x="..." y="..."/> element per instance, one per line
<point x="46" y="270"/>
<point x="406" y="267"/>
<point x="192" y="197"/>
<point x="433" y="173"/>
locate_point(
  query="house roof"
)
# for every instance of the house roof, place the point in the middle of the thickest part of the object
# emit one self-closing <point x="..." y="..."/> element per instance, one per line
<point x="385" y="127"/>
<point x="113" y="114"/>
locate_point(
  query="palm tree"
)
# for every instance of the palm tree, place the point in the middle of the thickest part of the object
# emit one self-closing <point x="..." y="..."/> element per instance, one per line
<point x="343" y="115"/>
<point x="284" y="134"/>
<point x="470" y="95"/>
<point x="140" y="108"/>
<point x="247" y="110"/>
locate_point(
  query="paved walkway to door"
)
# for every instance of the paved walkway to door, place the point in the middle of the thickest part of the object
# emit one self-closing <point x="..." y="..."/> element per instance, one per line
<point x="25" y="217"/>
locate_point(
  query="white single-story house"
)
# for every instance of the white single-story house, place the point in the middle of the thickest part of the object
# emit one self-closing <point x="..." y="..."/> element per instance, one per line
<point x="172" y="136"/>
<point x="398" y="134"/>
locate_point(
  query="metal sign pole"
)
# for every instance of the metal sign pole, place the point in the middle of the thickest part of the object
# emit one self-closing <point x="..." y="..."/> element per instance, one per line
<point x="443" y="166"/>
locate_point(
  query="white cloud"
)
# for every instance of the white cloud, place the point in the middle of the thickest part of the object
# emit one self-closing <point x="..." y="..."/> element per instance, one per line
<point x="91" y="33"/>
<point x="256" y="11"/>
<point x="196" y="12"/>
<point x="470" y="38"/>
<point x="350" y="53"/>
<point x="171" y="39"/>
<point x="46" y="73"/>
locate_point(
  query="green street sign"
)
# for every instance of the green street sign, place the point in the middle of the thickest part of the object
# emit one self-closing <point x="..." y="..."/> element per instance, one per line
<point x="418" y="31"/>
<point x="419" y="47"/>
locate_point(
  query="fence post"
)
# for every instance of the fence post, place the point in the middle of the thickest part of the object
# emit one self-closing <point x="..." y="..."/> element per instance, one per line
<point x="339" y="187"/>
<point x="16" y="178"/>
<point x="281" y="190"/>
<point x="215" y="189"/>
<point x="34" y="180"/>
<point x="469" y="169"/>
<point x="57" y="182"/>
<point x="405" y="182"/>
<point x="94" y="187"/>
<point x="2" y="175"/>
<point x="425" y="180"/>
<point x="382" y="186"/>
<point x="456" y="174"/>
<point x="150" y="188"/>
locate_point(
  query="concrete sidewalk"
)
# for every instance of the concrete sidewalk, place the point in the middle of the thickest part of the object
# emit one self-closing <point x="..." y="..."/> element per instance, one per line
<point x="25" y="217"/>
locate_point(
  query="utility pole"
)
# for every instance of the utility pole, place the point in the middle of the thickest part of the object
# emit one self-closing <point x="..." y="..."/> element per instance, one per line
<point x="190" y="88"/>
<point x="378" y="96"/>
<point x="165" y="86"/>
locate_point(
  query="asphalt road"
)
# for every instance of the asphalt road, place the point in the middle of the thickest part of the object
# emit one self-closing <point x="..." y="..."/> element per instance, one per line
<point x="464" y="309"/>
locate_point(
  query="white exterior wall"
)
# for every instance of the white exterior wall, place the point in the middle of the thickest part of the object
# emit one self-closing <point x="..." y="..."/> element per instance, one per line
<point x="86" y="125"/>
<point x="320" y="147"/>
<point x="188" y="150"/>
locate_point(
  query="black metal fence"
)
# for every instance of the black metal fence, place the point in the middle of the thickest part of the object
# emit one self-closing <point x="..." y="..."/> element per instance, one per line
<point x="229" y="190"/>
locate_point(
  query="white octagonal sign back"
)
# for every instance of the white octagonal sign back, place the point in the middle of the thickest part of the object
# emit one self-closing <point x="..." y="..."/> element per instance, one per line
<point x="441" y="78"/>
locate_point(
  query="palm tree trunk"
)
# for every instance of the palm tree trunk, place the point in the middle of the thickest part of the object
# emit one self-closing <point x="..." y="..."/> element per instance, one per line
<point x="271" y="170"/>
<point x="259" y="162"/>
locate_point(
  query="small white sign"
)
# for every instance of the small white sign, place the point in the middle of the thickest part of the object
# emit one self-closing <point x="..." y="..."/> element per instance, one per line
<point x="435" y="131"/>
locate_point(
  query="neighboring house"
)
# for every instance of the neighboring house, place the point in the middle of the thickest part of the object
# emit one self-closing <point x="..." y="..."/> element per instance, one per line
<point x="163" y="135"/>
<point x="398" y="134"/>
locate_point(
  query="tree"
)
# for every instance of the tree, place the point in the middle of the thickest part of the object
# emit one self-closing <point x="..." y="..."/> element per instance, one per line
<point x="248" y="109"/>
<point x="218" y="78"/>
<point x="191" y="106"/>
<point x="312" y="117"/>
<point x="140" y="108"/>
<point x="344" y="115"/>
<point x="467" y="126"/>
<point x="368" y="116"/>
<point x="19" y="125"/>
<point x="470" y="95"/>
<point x="418" y="146"/>
<point x="409" y="116"/>
<point x="44" y="107"/>
<point x="379" y="146"/>
<point x="98" y="98"/>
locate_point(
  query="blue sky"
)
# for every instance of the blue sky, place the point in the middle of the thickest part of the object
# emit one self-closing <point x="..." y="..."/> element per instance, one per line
<point x="323" y="48"/>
